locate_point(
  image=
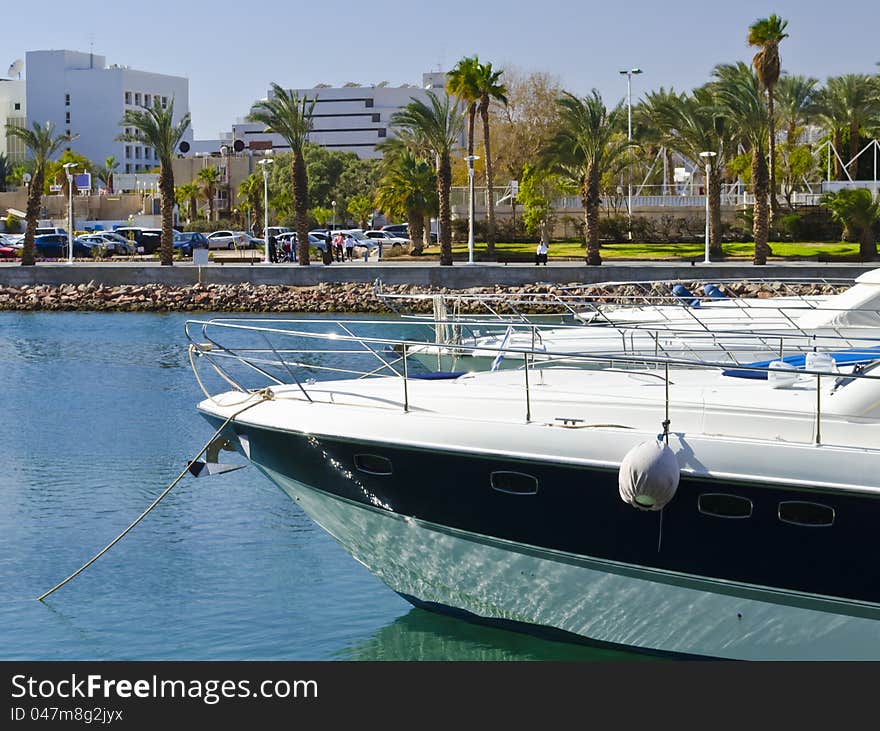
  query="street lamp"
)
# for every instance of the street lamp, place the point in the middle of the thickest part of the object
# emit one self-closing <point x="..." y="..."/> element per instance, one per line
<point x="470" y="161"/>
<point x="707" y="157"/>
<point x="333" y="203"/>
<point x="67" y="168"/>
<point x="629" y="136"/>
<point x="264" y="163"/>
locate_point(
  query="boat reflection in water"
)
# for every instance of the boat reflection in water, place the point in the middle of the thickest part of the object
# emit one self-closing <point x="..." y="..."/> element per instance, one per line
<point x="668" y="506"/>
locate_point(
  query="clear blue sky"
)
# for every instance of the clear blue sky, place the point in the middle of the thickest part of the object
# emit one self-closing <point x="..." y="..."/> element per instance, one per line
<point x="232" y="51"/>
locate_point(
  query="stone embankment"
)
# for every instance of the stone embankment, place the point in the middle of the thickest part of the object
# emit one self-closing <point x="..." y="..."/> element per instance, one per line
<point x="341" y="297"/>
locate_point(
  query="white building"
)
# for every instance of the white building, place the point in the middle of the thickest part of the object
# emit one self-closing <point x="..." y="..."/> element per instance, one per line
<point x="349" y="118"/>
<point x="12" y="111"/>
<point x="85" y="97"/>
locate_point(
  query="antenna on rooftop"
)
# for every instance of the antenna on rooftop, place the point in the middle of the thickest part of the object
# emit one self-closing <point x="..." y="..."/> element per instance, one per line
<point x="15" y="68"/>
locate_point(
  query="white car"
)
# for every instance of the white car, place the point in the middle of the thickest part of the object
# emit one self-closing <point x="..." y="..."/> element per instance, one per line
<point x="113" y="243"/>
<point x="387" y="239"/>
<point x="228" y="240"/>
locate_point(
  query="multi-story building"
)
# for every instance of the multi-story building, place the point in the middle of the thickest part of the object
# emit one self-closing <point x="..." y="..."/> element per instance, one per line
<point x="350" y="118"/>
<point x="85" y="97"/>
<point x="12" y="111"/>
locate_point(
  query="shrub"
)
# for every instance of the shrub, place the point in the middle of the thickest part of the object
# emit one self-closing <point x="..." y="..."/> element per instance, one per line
<point x="13" y="224"/>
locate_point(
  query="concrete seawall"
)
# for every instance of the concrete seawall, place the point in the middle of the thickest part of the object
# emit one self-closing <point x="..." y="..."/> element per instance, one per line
<point x="459" y="276"/>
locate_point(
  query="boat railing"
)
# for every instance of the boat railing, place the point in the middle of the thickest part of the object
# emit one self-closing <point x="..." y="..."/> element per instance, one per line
<point x="226" y="346"/>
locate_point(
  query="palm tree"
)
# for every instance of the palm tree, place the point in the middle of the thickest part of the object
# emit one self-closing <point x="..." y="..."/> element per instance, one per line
<point x="691" y="125"/>
<point x="463" y="82"/>
<point x="740" y="97"/>
<point x="42" y="143"/>
<point x="437" y="126"/>
<point x="587" y="144"/>
<point x="846" y="106"/>
<point x="767" y="33"/>
<point x="408" y="187"/>
<point x="105" y="172"/>
<point x="154" y="126"/>
<point x="250" y="191"/>
<point x="653" y="129"/>
<point x="290" y="116"/>
<point x="858" y="213"/>
<point x="189" y="193"/>
<point x="491" y="90"/>
<point x="794" y="97"/>
<point x="207" y="180"/>
<point x="5" y="170"/>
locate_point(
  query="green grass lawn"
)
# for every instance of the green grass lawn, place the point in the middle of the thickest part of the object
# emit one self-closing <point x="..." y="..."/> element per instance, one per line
<point x="575" y="250"/>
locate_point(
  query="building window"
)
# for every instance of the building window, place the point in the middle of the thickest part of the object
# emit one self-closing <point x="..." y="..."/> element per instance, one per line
<point x="137" y="99"/>
<point x="128" y="167"/>
<point x="67" y="117"/>
<point x="17" y="106"/>
<point x="67" y="100"/>
<point x="67" y="132"/>
<point x="148" y="100"/>
<point x="137" y="153"/>
<point x="164" y="102"/>
<point x="721" y="505"/>
<point x="146" y="153"/>
<point x="382" y="132"/>
<point x="128" y="151"/>
<point x="368" y="103"/>
<point x="128" y="97"/>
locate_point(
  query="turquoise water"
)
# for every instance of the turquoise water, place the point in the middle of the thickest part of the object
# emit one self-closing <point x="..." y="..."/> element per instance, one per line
<point x="97" y="418"/>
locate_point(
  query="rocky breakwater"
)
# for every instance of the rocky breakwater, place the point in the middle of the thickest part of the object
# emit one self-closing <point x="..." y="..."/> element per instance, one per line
<point x="353" y="297"/>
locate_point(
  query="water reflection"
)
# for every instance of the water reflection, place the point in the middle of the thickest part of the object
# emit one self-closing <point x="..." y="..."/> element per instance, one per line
<point x="423" y="635"/>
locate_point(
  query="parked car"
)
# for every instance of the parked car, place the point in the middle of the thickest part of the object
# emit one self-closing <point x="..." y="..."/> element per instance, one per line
<point x="402" y="230"/>
<point x="55" y="246"/>
<point x="112" y="243"/>
<point x="146" y="240"/>
<point x="186" y="242"/>
<point x="276" y="231"/>
<point x="43" y="230"/>
<point x="359" y="238"/>
<point x="386" y="238"/>
<point x="228" y="240"/>
<point x="8" y="249"/>
<point x="287" y="241"/>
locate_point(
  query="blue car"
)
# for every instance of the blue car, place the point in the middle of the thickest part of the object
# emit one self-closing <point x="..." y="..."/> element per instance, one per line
<point x="54" y="246"/>
<point x="186" y="242"/>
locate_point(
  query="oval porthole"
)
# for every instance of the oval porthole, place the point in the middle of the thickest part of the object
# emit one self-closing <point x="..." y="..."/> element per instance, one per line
<point x="514" y="483"/>
<point x="723" y="505"/>
<point x="373" y="464"/>
<point x="806" y="514"/>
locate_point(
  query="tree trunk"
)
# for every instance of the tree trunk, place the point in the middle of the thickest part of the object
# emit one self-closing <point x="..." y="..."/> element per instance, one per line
<point x="714" y="190"/>
<point x="760" y="221"/>
<point x="591" y="216"/>
<point x="772" y="125"/>
<point x="426" y="233"/>
<point x="415" y="225"/>
<point x="209" y="194"/>
<point x="35" y="195"/>
<point x="166" y="191"/>
<point x="301" y="206"/>
<point x="444" y="183"/>
<point x="867" y="244"/>
<point x="490" y="196"/>
<point x="193" y="208"/>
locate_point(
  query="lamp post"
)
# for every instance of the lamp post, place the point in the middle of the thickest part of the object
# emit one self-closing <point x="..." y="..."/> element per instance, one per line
<point x="707" y="157"/>
<point x="333" y="225"/>
<point x="67" y="168"/>
<point x="264" y="163"/>
<point x="629" y="136"/>
<point x="470" y="161"/>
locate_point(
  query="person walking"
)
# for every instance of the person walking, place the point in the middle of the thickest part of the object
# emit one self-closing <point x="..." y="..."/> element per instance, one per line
<point x="349" y="248"/>
<point x="273" y="250"/>
<point x="337" y="246"/>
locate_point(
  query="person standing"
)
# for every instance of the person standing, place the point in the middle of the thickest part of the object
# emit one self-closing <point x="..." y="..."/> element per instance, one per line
<point x="337" y="246"/>
<point x="273" y="250"/>
<point x="349" y="248"/>
<point x="541" y="254"/>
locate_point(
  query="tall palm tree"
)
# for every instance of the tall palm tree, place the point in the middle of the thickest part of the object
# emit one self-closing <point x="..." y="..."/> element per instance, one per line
<point x="691" y="125"/>
<point x="588" y="143"/>
<point x="767" y="34"/>
<point x="5" y="170"/>
<point x="741" y="99"/>
<point x="408" y="187"/>
<point x="652" y="130"/>
<point x="435" y="125"/>
<point x="207" y="179"/>
<point x="848" y="105"/>
<point x="250" y="192"/>
<point x="290" y="116"/>
<point x="794" y="97"/>
<point x="463" y="82"/>
<point x="491" y="90"/>
<point x="188" y="194"/>
<point x="42" y="143"/>
<point x="154" y="126"/>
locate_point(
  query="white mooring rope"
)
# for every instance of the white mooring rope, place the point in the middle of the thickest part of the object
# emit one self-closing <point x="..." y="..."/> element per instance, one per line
<point x="265" y="395"/>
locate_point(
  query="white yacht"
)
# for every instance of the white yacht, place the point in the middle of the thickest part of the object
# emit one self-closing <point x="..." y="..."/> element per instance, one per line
<point x="518" y="498"/>
<point x="736" y="330"/>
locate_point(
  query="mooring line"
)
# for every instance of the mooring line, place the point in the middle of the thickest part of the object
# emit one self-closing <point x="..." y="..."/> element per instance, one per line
<point x="265" y="395"/>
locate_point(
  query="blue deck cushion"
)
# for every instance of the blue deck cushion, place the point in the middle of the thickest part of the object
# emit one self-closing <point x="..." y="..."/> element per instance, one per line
<point x="685" y="295"/>
<point x="854" y="356"/>
<point x="439" y="375"/>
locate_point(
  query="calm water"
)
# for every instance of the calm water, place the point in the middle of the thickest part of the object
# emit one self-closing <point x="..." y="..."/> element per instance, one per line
<point x="97" y="418"/>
